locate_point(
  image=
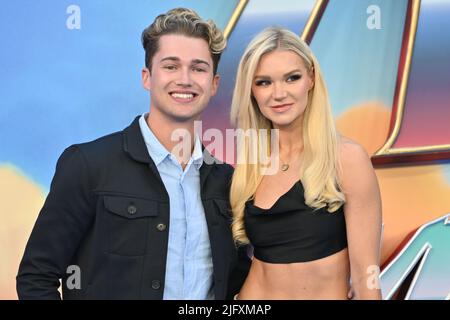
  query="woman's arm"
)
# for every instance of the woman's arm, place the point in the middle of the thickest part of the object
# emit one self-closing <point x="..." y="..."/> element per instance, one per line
<point x="363" y="219"/>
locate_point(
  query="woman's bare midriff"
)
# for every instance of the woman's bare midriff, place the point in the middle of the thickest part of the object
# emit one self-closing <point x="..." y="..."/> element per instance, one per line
<point x="326" y="278"/>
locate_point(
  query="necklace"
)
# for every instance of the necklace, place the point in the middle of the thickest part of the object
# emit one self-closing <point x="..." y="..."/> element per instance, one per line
<point x="285" y="166"/>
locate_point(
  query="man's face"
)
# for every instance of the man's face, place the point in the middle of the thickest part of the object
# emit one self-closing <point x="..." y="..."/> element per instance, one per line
<point x="181" y="80"/>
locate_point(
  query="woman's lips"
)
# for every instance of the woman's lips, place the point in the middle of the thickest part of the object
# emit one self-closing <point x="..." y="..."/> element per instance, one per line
<point x="282" y="107"/>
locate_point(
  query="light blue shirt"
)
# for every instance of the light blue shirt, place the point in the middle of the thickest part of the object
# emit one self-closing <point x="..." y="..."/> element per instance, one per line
<point x="189" y="268"/>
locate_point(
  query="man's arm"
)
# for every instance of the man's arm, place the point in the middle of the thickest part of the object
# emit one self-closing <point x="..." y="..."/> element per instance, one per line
<point x="61" y="225"/>
<point x="240" y="271"/>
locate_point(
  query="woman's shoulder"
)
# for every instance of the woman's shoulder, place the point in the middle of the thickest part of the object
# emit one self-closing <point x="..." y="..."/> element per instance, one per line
<point x="350" y="150"/>
<point x="354" y="159"/>
<point x="358" y="181"/>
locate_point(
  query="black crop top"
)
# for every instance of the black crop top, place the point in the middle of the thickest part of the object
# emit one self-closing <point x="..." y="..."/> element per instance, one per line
<point x="291" y="231"/>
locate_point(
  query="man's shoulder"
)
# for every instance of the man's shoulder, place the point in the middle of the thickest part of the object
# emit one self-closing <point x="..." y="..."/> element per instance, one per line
<point x="226" y="168"/>
<point x="220" y="176"/>
<point x="219" y="167"/>
<point x="108" y="144"/>
<point x="101" y="148"/>
<point x="98" y="151"/>
<point x="102" y="144"/>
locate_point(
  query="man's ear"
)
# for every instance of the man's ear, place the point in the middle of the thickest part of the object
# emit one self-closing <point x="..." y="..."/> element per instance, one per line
<point x="146" y="79"/>
<point x="215" y="85"/>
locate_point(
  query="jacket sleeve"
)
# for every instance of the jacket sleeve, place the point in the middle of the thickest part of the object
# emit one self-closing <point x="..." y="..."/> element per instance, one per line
<point x="60" y="227"/>
<point x="239" y="272"/>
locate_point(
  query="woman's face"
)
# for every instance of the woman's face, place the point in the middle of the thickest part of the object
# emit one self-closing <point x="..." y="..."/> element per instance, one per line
<point x="280" y="87"/>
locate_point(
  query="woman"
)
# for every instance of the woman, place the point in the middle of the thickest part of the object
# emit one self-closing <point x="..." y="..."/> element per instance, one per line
<point x="319" y="216"/>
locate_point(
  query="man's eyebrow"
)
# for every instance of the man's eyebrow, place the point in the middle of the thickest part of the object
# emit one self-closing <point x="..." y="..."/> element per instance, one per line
<point x="176" y="59"/>
<point x="170" y="58"/>
<point x="198" y="61"/>
<point x="286" y="74"/>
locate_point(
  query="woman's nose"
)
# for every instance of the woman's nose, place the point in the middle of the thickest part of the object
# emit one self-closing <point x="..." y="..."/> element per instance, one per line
<point x="279" y="93"/>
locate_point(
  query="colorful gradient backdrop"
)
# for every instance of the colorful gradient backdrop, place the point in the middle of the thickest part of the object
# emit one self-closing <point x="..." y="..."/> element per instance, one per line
<point x="60" y="86"/>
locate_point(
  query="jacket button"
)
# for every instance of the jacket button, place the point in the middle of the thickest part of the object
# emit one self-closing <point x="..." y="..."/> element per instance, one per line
<point x="156" y="284"/>
<point x="161" y="227"/>
<point x="132" y="209"/>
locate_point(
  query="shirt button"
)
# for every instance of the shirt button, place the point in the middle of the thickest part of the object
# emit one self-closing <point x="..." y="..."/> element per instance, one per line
<point x="156" y="284"/>
<point x="132" y="209"/>
<point x="161" y="226"/>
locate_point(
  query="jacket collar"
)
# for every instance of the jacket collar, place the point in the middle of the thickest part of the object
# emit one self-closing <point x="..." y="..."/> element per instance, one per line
<point x="134" y="146"/>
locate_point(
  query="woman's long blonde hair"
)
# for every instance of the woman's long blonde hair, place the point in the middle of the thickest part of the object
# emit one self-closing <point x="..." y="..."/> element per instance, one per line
<point x="320" y="165"/>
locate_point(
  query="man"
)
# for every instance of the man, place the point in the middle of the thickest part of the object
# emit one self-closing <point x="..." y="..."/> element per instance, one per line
<point x="135" y="218"/>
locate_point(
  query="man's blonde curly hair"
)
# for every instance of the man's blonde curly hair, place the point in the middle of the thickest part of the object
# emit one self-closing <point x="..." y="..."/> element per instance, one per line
<point x="184" y="22"/>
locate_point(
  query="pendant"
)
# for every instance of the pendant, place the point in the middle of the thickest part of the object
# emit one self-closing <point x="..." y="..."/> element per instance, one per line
<point x="284" y="167"/>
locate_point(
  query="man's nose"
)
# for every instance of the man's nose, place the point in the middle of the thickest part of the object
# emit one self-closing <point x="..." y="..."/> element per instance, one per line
<point x="185" y="79"/>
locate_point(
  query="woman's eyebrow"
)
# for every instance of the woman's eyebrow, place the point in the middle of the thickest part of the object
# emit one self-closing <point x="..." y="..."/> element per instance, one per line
<point x="286" y="74"/>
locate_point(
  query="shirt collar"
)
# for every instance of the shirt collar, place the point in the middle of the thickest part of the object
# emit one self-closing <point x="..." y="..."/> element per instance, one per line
<point x="197" y="154"/>
<point x="158" y="152"/>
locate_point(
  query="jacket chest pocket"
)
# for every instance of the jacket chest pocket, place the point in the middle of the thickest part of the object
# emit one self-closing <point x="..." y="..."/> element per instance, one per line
<point x="128" y="222"/>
